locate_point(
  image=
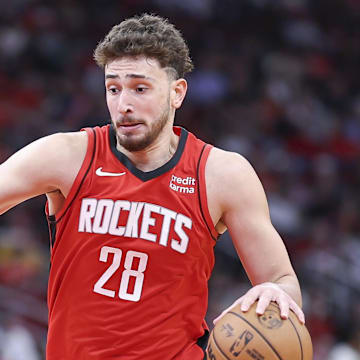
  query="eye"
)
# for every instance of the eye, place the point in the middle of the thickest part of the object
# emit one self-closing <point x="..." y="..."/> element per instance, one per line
<point x="113" y="90"/>
<point x="141" y="89"/>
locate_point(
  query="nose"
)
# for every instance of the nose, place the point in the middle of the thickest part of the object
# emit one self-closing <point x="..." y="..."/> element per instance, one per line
<point x="124" y="105"/>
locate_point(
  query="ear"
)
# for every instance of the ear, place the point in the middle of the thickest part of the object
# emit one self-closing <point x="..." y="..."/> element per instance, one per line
<point x="178" y="92"/>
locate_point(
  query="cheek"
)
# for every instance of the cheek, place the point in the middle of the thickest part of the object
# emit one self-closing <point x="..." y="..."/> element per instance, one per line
<point x="110" y="104"/>
<point x="148" y="107"/>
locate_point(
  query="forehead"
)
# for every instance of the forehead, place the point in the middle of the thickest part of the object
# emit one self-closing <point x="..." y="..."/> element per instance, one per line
<point x="140" y="66"/>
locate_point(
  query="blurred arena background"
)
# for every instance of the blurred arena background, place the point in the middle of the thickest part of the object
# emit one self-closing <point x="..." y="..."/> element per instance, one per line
<point x="275" y="80"/>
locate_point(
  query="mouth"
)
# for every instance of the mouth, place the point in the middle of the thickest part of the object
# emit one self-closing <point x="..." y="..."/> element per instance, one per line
<point x="128" y="124"/>
<point x="129" y="127"/>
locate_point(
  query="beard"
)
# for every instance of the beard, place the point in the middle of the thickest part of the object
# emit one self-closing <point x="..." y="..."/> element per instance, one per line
<point x="138" y="142"/>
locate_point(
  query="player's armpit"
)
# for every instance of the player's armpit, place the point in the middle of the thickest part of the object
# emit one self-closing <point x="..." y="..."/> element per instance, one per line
<point x="48" y="164"/>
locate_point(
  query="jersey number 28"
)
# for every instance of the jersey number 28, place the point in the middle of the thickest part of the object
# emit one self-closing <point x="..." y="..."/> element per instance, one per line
<point x="128" y="272"/>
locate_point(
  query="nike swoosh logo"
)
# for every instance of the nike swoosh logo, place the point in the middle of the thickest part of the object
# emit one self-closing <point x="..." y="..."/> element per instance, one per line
<point x="99" y="172"/>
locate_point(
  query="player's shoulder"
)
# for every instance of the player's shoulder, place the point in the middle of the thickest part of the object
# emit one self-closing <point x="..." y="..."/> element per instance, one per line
<point x="64" y="154"/>
<point x="57" y="150"/>
<point x="64" y="144"/>
<point x="76" y="138"/>
<point x="230" y="179"/>
<point x="227" y="164"/>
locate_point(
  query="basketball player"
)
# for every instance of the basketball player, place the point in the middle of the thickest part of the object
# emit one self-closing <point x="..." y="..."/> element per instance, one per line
<point x="135" y="209"/>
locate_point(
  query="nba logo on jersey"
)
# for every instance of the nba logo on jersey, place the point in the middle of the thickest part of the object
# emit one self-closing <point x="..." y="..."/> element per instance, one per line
<point x="183" y="185"/>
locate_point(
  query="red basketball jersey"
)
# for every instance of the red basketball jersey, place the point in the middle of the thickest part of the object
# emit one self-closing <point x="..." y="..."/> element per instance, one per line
<point x="131" y="255"/>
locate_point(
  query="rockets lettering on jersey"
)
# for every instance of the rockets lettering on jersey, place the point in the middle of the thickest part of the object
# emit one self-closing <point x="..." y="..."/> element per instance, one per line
<point x="102" y="217"/>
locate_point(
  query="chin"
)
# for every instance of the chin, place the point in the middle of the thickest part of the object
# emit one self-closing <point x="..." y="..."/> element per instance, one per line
<point x="131" y="143"/>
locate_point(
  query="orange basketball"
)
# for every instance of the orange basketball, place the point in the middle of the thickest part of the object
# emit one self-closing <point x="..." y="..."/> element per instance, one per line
<point x="248" y="336"/>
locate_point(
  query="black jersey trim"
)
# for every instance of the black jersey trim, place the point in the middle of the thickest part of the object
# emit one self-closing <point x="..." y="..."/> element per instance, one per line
<point x="199" y="196"/>
<point x="52" y="229"/>
<point x="142" y="175"/>
<point x="82" y="180"/>
<point x="203" y="341"/>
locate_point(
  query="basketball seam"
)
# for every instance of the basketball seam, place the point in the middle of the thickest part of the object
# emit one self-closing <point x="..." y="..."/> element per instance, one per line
<point x="265" y="339"/>
<point x="217" y="345"/>
<point x="301" y="348"/>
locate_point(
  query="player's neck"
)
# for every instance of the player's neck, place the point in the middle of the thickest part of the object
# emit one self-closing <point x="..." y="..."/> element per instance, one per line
<point x="156" y="154"/>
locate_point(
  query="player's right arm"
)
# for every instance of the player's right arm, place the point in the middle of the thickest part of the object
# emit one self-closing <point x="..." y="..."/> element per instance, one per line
<point x="48" y="164"/>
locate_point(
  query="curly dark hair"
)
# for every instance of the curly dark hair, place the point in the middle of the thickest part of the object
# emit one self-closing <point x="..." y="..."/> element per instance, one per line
<point x="150" y="36"/>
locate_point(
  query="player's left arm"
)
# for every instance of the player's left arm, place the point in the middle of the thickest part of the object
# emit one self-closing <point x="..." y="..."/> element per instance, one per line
<point x="242" y="207"/>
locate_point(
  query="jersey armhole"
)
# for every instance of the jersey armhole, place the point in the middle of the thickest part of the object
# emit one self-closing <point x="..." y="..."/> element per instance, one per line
<point x="202" y="191"/>
<point x="79" y="179"/>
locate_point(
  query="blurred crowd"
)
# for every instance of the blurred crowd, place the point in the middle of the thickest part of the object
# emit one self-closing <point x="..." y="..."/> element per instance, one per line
<point x="275" y="80"/>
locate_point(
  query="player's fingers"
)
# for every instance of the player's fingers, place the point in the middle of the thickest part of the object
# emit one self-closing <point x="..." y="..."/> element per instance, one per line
<point x="248" y="299"/>
<point x="298" y="312"/>
<point x="263" y="303"/>
<point x="284" y="307"/>
<point x="238" y="301"/>
<point x="219" y="317"/>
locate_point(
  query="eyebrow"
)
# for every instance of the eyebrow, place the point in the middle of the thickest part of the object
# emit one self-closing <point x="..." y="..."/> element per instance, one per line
<point x="131" y="76"/>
